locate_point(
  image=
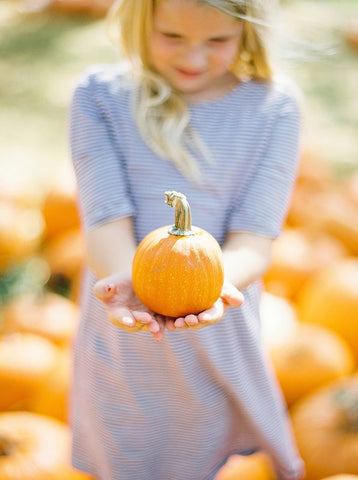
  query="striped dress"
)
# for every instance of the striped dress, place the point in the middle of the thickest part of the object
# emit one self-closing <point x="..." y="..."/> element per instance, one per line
<point x="176" y="410"/>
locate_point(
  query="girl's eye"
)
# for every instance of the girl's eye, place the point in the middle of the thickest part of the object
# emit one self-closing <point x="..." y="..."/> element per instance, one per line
<point x="174" y="36"/>
<point x="218" y="40"/>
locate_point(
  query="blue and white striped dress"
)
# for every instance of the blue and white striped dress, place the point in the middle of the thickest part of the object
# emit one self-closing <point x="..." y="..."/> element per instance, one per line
<point x="175" y="410"/>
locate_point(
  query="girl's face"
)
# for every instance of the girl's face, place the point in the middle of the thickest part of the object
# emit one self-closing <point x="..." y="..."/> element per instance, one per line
<point x="193" y="46"/>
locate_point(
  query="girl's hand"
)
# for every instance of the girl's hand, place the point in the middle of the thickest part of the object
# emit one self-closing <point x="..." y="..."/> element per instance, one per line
<point x="230" y="297"/>
<point x="124" y="309"/>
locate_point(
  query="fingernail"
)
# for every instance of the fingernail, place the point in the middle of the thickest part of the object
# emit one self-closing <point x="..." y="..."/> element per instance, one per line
<point x="128" y="321"/>
<point x="154" y="328"/>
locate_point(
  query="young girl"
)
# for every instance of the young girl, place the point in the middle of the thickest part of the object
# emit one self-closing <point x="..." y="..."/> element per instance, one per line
<point x="198" y="113"/>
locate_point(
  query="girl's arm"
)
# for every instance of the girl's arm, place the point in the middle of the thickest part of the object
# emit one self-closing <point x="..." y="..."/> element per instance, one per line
<point x="111" y="247"/>
<point x="246" y="258"/>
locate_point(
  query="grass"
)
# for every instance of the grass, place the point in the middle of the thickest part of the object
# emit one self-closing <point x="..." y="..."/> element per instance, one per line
<point x="42" y="55"/>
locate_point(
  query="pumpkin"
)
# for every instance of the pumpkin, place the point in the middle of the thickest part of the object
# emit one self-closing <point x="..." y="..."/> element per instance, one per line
<point x="59" y="209"/>
<point x="178" y="270"/>
<point x="25" y="363"/>
<point x="65" y="253"/>
<point x="296" y="255"/>
<point x="351" y="34"/>
<point x="330" y="299"/>
<point x="52" y="396"/>
<point x="35" y="447"/>
<point x="342" y="476"/>
<point x="48" y="314"/>
<point x="21" y="233"/>
<point x="247" y="467"/>
<point x="330" y="211"/>
<point x="307" y="357"/>
<point x="325" y="425"/>
<point x="91" y="7"/>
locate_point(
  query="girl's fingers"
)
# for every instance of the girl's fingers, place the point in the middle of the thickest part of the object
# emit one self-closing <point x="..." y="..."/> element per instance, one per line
<point x="214" y="313"/>
<point x="191" y="320"/>
<point x="143" y="317"/>
<point x="232" y="296"/>
<point x="169" y="324"/>
<point x="180" y="323"/>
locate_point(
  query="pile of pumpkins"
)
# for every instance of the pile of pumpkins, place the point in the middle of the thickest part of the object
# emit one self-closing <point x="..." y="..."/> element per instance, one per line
<point x="309" y="327"/>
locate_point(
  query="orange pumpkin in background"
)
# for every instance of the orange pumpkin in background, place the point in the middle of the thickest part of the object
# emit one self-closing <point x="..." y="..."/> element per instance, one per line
<point x="296" y="255"/>
<point x="325" y="425"/>
<point x="247" y="467"/>
<point x="49" y="315"/>
<point x="65" y="253"/>
<point x="21" y="233"/>
<point x="330" y="299"/>
<point x="25" y="363"/>
<point x="307" y="357"/>
<point x="52" y="396"/>
<point x="35" y="447"/>
<point x="178" y="270"/>
<point x="342" y="476"/>
<point x="59" y="209"/>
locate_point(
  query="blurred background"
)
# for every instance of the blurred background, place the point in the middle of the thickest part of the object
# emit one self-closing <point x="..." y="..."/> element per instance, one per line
<point x="310" y="304"/>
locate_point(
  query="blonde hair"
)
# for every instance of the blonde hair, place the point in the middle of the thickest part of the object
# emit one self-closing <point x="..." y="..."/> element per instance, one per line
<point x="160" y="113"/>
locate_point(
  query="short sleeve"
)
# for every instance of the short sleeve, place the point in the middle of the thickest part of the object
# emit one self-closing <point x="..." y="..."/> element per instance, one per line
<point x="100" y="175"/>
<point x="263" y="207"/>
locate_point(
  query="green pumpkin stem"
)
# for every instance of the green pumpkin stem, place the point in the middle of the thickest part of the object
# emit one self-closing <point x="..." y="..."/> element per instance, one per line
<point x="182" y="222"/>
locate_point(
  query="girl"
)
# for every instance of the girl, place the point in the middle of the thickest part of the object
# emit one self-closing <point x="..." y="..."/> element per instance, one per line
<point x="199" y="113"/>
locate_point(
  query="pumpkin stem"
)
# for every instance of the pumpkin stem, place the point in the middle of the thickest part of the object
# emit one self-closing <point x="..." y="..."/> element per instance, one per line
<point x="348" y="404"/>
<point x="6" y="447"/>
<point x="182" y="222"/>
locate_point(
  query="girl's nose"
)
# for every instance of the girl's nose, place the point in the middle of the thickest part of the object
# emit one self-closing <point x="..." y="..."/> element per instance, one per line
<point x="195" y="57"/>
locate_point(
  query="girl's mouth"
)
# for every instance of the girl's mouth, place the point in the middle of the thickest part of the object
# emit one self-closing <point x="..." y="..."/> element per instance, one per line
<point x="189" y="73"/>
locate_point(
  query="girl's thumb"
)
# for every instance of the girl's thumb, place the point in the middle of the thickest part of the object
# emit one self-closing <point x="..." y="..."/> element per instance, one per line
<point x="104" y="290"/>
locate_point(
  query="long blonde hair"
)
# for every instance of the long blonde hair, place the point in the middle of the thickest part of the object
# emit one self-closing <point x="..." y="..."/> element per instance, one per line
<point x="160" y="113"/>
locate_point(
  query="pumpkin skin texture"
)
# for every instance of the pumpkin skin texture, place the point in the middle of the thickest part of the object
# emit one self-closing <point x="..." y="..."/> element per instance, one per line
<point x="35" y="447"/>
<point x="330" y="299"/>
<point x="247" y="467"/>
<point x="325" y="425"/>
<point x="178" y="275"/>
<point x="178" y="270"/>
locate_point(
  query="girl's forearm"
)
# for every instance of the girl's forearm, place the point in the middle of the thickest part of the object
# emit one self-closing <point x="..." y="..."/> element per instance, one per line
<point x="246" y="258"/>
<point x="111" y="247"/>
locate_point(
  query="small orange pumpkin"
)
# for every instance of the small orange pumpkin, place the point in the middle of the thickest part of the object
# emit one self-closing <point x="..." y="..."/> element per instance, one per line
<point x="325" y="425"/>
<point x="35" y="447"/>
<point x="247" y="467"/>
<point x="178" y="270"/>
